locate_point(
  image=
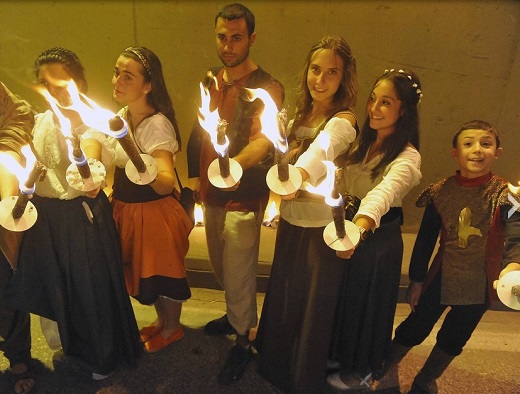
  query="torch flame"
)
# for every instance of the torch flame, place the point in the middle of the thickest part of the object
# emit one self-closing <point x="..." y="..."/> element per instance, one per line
<point x="269" y="119"/>
<point x="210" y="77"/>
<point x="64" y="122"/>
<point x="199" y="215"/>
<point x="209" y="121"/>
<point x="62" y="119"/>
<point x="325" y="187"/>
<point x="21" y="172"/>
<point x="272" y="212"/>
<point x="91" y="114"/>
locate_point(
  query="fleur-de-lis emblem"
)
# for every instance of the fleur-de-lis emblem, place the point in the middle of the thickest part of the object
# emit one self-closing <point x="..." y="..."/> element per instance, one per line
<point x="465" y="229"/>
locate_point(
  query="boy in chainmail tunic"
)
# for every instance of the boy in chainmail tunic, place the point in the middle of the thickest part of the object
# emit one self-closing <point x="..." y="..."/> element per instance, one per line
<point x="472" y="213"/>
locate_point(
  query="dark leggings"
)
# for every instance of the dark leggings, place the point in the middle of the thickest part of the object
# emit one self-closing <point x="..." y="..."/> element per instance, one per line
<point x="15" y="333"/>
<point x="458" y="325"/>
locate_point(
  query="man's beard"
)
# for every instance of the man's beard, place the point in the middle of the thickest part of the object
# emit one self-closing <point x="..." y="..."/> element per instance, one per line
<point x="235" y="62"/>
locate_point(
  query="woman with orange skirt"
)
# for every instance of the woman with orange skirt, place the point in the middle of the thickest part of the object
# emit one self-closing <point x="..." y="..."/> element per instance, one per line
<point x="153" y="226"/>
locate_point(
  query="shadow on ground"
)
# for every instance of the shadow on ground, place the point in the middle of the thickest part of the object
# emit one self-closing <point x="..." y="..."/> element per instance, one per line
<point x="188" y="366"/>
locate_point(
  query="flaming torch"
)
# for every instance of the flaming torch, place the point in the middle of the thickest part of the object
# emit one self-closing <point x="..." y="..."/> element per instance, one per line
<point x="140" y="169"/>
<point x="83" y="174"/>
<point x="18" y="213"/>
<point x="340" y="234"/>
<point x="282" y="178"/>
<point x="223" y="172"/>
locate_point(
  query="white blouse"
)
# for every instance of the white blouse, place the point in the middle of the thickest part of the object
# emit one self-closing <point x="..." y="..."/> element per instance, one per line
<point x="388" y="189"/>
<point x="51" y="149"/>
<point x="153" y="133"/>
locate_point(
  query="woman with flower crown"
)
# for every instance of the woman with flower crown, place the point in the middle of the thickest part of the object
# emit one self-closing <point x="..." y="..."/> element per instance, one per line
<point x="382" y="168"/>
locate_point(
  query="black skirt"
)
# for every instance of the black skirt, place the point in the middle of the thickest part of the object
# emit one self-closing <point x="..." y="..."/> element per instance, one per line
<point x="70" y="271"/>
<point x="367" y="301"/>
<point x="295" y="328"/>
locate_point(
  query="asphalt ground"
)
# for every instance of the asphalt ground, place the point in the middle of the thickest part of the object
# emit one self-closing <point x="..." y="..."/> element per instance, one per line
<point x="489" y="363"/>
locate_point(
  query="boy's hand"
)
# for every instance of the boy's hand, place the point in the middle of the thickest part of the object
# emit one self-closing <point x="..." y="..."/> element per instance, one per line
<point x="509" y="268"/>
<point x="414" y="293"/>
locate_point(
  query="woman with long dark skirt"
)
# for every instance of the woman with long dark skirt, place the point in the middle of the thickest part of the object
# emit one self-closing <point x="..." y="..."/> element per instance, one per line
<point x="69" y="266"/>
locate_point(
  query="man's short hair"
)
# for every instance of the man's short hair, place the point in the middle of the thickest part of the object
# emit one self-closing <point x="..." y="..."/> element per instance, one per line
<point x="237" y="11"/>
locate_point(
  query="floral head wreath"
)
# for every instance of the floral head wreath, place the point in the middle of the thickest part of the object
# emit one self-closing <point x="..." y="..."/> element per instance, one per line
<point x="142" y="59"/>
<point x="414" y="84"/>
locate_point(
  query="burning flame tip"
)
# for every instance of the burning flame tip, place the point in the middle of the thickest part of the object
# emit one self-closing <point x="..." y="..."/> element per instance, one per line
<point x="270" y="118"/>
<point x="89" y="111"/>
<point x="20" y="171"/>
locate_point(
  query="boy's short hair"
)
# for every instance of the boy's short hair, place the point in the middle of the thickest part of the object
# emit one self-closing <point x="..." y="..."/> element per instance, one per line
<point x="477" y="125"/>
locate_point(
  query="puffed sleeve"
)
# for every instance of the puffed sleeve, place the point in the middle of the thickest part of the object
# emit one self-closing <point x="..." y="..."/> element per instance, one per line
<point x="158" y="134"/>
<point x="333" y="140"/>
<point x="400" y="177"/>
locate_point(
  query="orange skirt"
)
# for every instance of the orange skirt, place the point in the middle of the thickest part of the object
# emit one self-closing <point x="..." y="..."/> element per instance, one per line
<point x="154" y="242"/>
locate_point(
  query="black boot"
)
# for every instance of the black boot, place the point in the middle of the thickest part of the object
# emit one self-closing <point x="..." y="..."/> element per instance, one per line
<point x="435" y="365"/>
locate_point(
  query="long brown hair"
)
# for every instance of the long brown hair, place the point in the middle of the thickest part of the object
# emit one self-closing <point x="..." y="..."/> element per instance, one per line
<point x="345" y="96"/>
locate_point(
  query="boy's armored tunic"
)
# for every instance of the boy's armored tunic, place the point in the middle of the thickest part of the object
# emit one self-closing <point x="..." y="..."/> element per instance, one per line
<point x="467" y="209"/>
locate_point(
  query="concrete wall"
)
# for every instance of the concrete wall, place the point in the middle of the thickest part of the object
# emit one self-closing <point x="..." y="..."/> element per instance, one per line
<point x="465" y="52"/>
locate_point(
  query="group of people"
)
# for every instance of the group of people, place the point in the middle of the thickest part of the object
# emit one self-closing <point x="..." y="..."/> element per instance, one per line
<point x="327" y="316"/>
<point x="85" y="253"/>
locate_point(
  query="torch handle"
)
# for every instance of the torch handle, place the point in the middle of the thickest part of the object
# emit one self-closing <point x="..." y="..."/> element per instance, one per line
<point x="23" y="197"/>
<point x="223" y="163"/>
<point x="83" y="167"/>
<point x="338" y="214"/>
<point x="131" y="150"/>
<point x="84" y="171"/>
<point x="19" y="207"/>
<point x="282" y="160"/>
